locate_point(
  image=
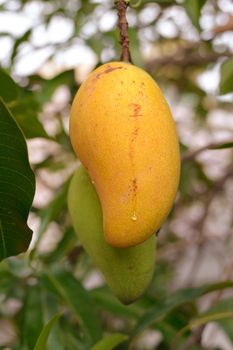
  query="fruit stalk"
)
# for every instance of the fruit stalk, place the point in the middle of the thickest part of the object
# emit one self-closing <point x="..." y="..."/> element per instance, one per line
<point x="123" y="27"/>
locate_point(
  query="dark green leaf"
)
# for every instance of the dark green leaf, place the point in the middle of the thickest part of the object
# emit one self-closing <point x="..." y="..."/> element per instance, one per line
<point x="43" y="338"/>
<point x="17" y="187"/>
<point x="77" y="299"/>
<point x="23" y="106"/>
<point x="8" y="88"/>
<point x="110" y="342"/>
<point x="226" y="80"/>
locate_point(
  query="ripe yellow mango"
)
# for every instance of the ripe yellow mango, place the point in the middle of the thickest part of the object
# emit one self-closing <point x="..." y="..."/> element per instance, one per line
<point x="122" y="130"/>
<point x="127" y="271"/>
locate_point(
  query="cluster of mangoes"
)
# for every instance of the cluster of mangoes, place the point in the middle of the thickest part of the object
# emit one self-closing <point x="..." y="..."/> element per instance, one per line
<point x="123" y="133"/>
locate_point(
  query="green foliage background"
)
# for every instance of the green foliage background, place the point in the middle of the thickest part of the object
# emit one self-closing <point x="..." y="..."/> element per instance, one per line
<point x="52" y="296"/>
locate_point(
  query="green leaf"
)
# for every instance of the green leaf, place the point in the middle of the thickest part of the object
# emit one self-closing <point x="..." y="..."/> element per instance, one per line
<point x="23" y="106"/>
<point x="193" y="9"/>
<point x="201" y="321"/>
<point x="48" y="87"/>
<point x="42" y="340"/>
<point x="31" y="321"/>
<point x="17" y="187"/>
<point x="51" y="306"/>
<point x="25" y="111"/>
<point x="19" y="41"/>
<point x="69" y="336"/>
<point x="226" y="80"/>
<point x="65" y="245"/>
<point x="110" y="342"/>
<point x="64" y="284"/>
<point x="54" y="208"/>
<point x="9" y="90"/>
<point x="106" y="300"/>
<point x="223" y="306"/>
<point x="160" y="311"/>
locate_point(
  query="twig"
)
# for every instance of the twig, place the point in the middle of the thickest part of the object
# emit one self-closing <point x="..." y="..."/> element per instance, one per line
<point x="228" y="26"/>
<point x="194" y="339"/>
<point x="213" y="145"/>
<point x="196" y="336"/>
<point x="123" y="27"/>
<point x="218" y="186"/>
<point x="184" y="58"/>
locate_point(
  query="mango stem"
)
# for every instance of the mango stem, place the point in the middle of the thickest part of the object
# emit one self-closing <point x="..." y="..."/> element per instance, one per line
<point x="121" y="6"/>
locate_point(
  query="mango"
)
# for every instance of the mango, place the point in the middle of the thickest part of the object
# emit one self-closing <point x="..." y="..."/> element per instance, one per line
<point x="127" y="271"/>
<point x="122" y="131"/>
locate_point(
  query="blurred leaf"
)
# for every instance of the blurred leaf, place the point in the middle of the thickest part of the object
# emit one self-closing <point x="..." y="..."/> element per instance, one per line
<point x="17" y="187"/>
<point x="95" y="43"/>
<point x="168" y="331"/>
<point x="7" y="280"/>
<point x="51" y="164"/>
<point x="223" y="306"/>
<point x="78" y="300"/>
<point x="65" y="245"/>
<point x="23" y="106"/>
<point x="25" y="111"/>
<point x="42" y="340"/>
<point x="8" y="88"/>
<point x="106" y="300"/>
<point x="47" y="87"/>
<point x="224" y="145"/>
<point x="160" y="311"/>
<point x="226" y="80"/>
<point x="193" y="8"/>
<point x="135" y="48"/>
<point x="19" y="41"/>
<point x="110" y="342"/>
<point x="70" y="337"/>
<point x="201" y="321"/>
<point x="54" y="208"/>
<point x="51" y="306"/>
<point x="31" y="320"/>
<point x="189" y="172"/>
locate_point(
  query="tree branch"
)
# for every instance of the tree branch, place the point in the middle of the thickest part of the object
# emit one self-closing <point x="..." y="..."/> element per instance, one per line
<point x="184" y="58"/>
<point x="213" y="145"/>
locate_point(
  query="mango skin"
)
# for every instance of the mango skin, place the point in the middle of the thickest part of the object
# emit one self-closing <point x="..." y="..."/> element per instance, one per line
<point x="128" y="271"/>
<point x="122" y="130"/>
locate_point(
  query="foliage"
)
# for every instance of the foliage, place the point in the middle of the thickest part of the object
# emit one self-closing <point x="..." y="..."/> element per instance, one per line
<point x="52" y="296"/>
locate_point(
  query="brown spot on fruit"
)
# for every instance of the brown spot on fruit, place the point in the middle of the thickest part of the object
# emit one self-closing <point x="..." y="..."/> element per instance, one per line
<point x="134" y="186"/>
<point x="106" y="71"/>
<point x="136" y="109"/>
<point x="111" y="69"/>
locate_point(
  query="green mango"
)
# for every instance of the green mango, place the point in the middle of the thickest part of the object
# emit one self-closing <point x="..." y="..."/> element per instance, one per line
<point x="127" y="271"/>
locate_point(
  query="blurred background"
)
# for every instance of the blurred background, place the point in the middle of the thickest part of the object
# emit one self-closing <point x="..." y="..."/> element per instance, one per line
<point x="48" y="48"/>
